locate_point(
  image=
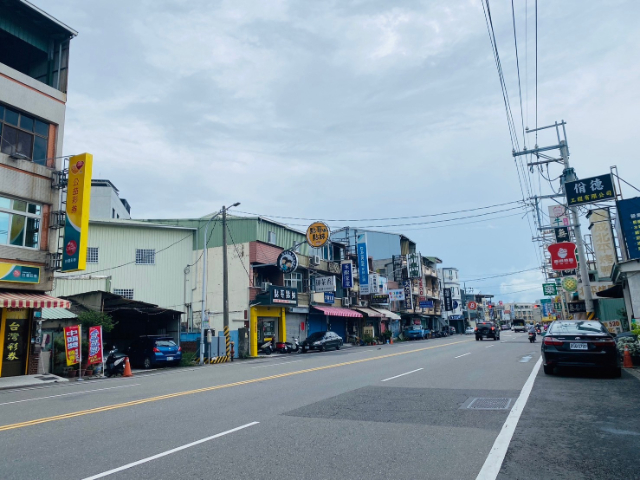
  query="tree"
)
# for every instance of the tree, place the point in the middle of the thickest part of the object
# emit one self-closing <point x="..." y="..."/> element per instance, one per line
<point x="97" y="319"/>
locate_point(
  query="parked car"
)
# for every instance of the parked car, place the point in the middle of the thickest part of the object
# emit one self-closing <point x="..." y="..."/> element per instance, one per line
<point x="322" y="341"/>
<point x="487" y="330"/>
<point x="414" y="332"/>
<point x="152" y="350"/>
<point x="580" y="343"/>
<point x="469" y="331"/>
<point x="505" y="327"/>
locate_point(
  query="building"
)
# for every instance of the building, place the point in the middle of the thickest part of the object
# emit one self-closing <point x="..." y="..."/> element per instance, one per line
<point x="529" y="312"/>
<point x="106" y="201"/>
<point x="34" y="65"/>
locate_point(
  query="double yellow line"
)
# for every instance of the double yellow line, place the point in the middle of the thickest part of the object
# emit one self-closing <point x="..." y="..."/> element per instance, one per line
<point x="133" y="403"/>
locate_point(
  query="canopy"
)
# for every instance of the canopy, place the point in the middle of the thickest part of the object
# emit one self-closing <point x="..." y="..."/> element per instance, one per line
<point x="370" y="312"/>
<point x="31" y="300"/>
<point x="338" y="312"/>
<point x="388" y="314"/>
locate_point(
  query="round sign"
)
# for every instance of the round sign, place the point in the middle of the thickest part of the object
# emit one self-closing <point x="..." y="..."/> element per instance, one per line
<point x="472" y="305"/>
<point x="287" y="261"/>
<point x="317" y="234"/>
<point x="570" y="284"/>
<point x="455" y="304"/>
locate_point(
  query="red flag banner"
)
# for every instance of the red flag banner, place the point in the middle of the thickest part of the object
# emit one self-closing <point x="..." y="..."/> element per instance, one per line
<point x="95" y="345"/>
<point x="72" y="344"/>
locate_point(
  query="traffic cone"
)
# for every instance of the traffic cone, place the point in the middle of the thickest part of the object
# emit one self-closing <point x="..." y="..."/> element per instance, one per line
<point x="627" y="363"/>
<point x="391" y="340"/>
<point x="127" y="368"/>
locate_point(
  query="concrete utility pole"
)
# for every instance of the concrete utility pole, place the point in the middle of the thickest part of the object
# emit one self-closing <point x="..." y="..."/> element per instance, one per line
<point x="568" y="176"/>
<point x="225" y="282"/>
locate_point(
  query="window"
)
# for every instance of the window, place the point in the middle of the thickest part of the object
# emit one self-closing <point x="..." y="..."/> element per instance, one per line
<point x="272" y="238"/>
<point x="323" y="252"/>
<point x="145" y="256"/>
<point x="23" y="135"/>
<point x="293" y="280"/>
<point x="124" y="292"/>
<point x="19" y="223"/>
<point x="113" y="213"/>
<point x="92" y="254"/>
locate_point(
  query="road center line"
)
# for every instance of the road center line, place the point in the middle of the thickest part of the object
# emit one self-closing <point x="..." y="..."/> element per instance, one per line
<point x="65" y="394"/>
<point x="168" y="452"/>
<point x="401" y="375"/>
<point x="493" y="463"/>
<point x="274" y="364"/>
<point x="464" y="354"/>
<point x="143" y="401"/>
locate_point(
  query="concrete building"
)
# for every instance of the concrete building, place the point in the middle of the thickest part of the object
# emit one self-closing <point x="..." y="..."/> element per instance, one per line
<point x="529" y="312"/>
<point x="106" y="202"/>
<point x="34" y="62"/>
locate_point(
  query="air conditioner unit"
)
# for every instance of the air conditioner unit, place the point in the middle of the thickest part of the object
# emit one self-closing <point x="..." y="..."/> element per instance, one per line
<point x="264" y="286"/>
<point x="345" y="301"/>
<point x="314" y="260"/>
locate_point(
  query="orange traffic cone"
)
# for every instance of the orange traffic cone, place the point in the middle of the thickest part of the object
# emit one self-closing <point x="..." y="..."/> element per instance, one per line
<point x="127" y="368"/>
<point x="627" y="363"/>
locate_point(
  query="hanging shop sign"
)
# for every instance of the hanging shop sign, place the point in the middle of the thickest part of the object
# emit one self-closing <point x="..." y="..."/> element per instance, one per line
<point x="561" y="234"/>
<point x="397" y="267"/>
<point x="629" y="217"/>
<point x="72" y="344"/>
<point x="602" y="241"/>
<point x="448" y="302"/>
<point x="347" y="274"/>
<point x="318" y="234"/>
<point x="283" y="296"/>
<point x="472" y="305"/>
<point x="76" y="228"/>
<point x="570" y="284"/>
<point x="380" y="299"/>
<point x="329" y="297"/>
<point x="16" y="273"/>
<point x="325" y="284"/>
<point x="590" y="190"/>
<point x="549" y="289"/>
<point x="414" y="265"/>
<point x="95" y="345"/>
<point x="287" y="261"/>
<point x="408" y="296"/>
<point x="563" y="255"/>
<point x="426" y="304"/>
<point x="455" y="304"/>
<point x="559" y="216"/>
<point x="363" y="263"/>
<point x="576" y="307"/>
<point x="396" y="295"/>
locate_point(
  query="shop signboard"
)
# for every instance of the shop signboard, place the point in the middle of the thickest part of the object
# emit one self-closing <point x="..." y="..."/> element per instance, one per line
<point x="590" y="190"/>
<point x="72" y="344"/>
<point x="570" y="284"/>
<point x="414" y="265"/>
<point x="374" y="283"/>
<point x="363" y="263"/>
<point x="329" y="297"/>
<point x="426" y="304"/>
<point x="563" y="255"/>
<point x="602" y="241"/>
<point x="283" y="296"/>
<point x="549" y="289"/>
<point x="76" y="228"/>
<point x="408" y="296"/>
<point x="325" y="284"/>
<point x="287" y="261"/>
<point x="558" y="216"/>
<point x="16" y="273"/>
<point x="576" y="307"/>
<point x="448" y="302"/>
<point x="95" y="345"/>
<point x="347" y="274"/>
<point x="16" y="342"/>
<point x="561" y="234"/>
<point x="629" y="215"/>
<point x="318" y="234"/>
<point x="380" y="299"/>
<point x="397" y="268"/>
<point x="396" y="295"/>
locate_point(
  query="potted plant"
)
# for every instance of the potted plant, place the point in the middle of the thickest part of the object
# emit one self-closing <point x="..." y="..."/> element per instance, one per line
<point x="368" y="339"/>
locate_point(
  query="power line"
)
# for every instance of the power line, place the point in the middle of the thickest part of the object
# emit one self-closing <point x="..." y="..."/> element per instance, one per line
<point x="500" y="275"/>
<point x="462" y="224"/>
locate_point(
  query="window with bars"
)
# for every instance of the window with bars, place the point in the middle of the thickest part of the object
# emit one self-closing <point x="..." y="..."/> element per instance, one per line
<point x="293" y="280"/>
<point x="92" y="254"/>
<point x="124" y="292"/>
<point x="145" y="256"/>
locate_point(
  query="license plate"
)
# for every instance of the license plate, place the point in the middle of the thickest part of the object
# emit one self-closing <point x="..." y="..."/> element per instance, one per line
<point x="169" y="359"/>
<point x="578" y="346"/>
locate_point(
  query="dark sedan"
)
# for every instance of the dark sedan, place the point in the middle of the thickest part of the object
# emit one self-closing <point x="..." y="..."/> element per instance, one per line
<point x="580" y="343"/>
<point x="322" y="341"/>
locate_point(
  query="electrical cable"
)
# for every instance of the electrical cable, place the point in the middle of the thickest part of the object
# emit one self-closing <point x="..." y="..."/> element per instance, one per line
<point x="500" y="275"/>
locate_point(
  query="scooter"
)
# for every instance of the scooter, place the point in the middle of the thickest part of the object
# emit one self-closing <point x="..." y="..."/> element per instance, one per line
<point x="266" y="348"/>
<point x="532" y="337"/>
<point x="293" y="346"/>
<point x="114" y="364"/>
<point x="283" y="347"/>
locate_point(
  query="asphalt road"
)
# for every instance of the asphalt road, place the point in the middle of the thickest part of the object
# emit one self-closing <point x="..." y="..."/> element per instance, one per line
<point x="390" y="412"/>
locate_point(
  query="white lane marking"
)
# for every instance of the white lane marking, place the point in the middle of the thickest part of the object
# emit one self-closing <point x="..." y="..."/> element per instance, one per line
<point x="526" y="359"/>
<point x="490" y="346"/>
<point x="168" y="452"/>
<point x="65" y="394"/>
<point x="274" y="364"/>
<point x="402" y="375"/>
<point x="464" y="354"/>
<point x="493" y="463"/>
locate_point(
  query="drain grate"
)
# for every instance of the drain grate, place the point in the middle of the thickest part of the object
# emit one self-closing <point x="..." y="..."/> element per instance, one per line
<point x="489" y="404"/>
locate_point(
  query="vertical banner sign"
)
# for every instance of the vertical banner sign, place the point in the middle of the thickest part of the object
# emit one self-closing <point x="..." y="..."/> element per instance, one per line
<point x="562" y="234"/>
<point x="347" y="274"/>
<point x="408" y="296"/>
<point x="363" y="263"/>
<point x="629" y="218"/>
<point x="448" y="302"/>
<point x="72" y="344"/>
<point x="414" y="265"/>
<point x="602" y="239"/>
<point x="95" y="345"/>
<point x="397" y="268"/>
<point x="76" y="228"/>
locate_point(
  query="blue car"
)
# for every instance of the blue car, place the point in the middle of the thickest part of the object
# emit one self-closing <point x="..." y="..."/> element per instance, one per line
<point x="414" y="333"/>
<point x="154" y="350"/>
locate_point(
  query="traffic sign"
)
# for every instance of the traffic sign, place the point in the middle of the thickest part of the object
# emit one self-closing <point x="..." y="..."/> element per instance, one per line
<point x="472" y="306"/>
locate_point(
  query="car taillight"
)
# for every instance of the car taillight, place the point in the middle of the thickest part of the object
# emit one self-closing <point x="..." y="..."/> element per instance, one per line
<point x="476" y="329"/>
<point x="607" y="341"/>
<point x="493" y="328"/>
<point x="552" y="341"/>
<point x="155" y="350"/>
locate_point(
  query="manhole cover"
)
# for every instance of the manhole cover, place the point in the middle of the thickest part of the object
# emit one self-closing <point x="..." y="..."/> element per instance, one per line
<point x="490" y="404"/>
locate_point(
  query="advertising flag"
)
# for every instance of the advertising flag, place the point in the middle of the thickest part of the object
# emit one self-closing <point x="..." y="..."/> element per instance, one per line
<point x="72" y="344"/>
<point x="95" y="345"/>
<point x="76" y="228"/>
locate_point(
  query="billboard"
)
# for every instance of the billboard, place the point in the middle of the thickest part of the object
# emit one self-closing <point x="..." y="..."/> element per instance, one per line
<point x="590" y="190"/>
<point x="629" y="218"/>
<point x="76" y="228"/>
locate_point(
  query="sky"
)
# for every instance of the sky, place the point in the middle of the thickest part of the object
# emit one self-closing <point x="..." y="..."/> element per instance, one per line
<point x="353" y="110"/>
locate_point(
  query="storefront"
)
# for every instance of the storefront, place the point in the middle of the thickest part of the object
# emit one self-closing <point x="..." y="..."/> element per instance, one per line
<point x="20" y="336"/>
<point x="390" y="320"/>
<point x="372" y="321"/>
<point x="339" y="320"/>
<point x="268" y="316"/>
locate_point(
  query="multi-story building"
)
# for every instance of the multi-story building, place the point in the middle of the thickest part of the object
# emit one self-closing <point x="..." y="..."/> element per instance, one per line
<point x="34" y="65"/>
<point x="529" y="312"/>
<point x="106" y="201"/>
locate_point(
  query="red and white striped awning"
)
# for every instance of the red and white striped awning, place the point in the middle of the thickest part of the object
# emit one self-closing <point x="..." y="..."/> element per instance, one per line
<point x="31" y="300"/>
<point x="338" y="312"/>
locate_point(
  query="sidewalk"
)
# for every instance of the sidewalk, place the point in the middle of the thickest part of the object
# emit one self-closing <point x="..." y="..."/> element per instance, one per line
<point x="24" y="381"/>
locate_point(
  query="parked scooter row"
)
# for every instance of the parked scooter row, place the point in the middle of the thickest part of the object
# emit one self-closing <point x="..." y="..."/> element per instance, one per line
<point x="281" y="347"/>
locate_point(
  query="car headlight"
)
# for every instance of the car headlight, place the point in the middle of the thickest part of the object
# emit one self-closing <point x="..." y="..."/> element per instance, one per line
<point x="316" y="343"/>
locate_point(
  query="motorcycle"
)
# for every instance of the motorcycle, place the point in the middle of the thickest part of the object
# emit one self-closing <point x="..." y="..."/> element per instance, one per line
<point x="115" y="362"/>
<point x="293" y="346"/>
<point x="266" y="348"/>
<point x="532" y="337"/>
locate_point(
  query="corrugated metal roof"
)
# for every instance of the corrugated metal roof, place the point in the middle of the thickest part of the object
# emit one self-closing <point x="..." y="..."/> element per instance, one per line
<point x="57" y="314"/>
<point x="134" y="223"/>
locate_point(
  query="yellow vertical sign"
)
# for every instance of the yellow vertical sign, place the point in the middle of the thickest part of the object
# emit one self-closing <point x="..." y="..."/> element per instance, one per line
<point x="76" y="229"/>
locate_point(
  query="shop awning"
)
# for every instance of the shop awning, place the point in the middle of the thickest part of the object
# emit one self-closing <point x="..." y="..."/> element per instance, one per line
<point x="611" y="292"/>
<point x="388" y="314"/>
<point x="31" y="300"/>
<point x="370" y="312"/>
<point x="339" y="312"/>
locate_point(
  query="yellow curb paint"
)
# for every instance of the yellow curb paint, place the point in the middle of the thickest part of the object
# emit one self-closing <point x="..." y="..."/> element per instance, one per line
<point x="133" y="403"/>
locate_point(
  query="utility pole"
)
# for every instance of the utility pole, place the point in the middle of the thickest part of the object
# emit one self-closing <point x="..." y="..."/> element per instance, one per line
<point x="225" y="282"/>
<point x="568" y="175"/>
